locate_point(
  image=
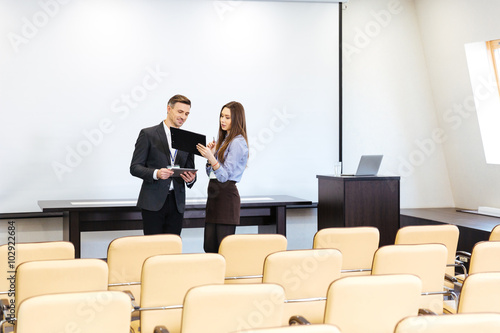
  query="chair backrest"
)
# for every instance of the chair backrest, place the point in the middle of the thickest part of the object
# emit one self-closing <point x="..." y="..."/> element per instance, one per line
<point x="11" y="258"/>
<point x="89" y="312"/>
<point x="305" y="275"/>
<point x="446" y="234"/>
<point x="43" y="277"/>
<point x="245" y="255"/>
<point x="480" y="293"/>
<point x="166" y="280"/>
<point x="456" y="323"/>
<point x="126" y="255"/>
<point x="232" y="307"/>
<point x="357" y="244"/>
<point x="427" y="261"/>
<point x="485" y="257"/>
<point x="314" y="328"/>
<point x="495" y="233"/>
<point x="375" y="304"/>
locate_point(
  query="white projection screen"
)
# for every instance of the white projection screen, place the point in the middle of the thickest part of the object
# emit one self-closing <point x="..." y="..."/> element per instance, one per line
<point x="79" y="79"/>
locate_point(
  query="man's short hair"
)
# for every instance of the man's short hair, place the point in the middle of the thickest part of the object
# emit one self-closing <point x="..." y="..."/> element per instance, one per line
<point x="178" y="99"/>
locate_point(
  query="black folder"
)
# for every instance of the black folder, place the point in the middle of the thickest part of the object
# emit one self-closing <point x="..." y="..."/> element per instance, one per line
<point x="186" y="141"/>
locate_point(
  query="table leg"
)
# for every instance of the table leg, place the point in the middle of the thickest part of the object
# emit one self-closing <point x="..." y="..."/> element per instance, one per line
<point x="281" y="220"/>
<point x="74" y="232"/>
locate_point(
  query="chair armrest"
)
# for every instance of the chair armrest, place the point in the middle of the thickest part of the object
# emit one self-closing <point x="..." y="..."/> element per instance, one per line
<point x="4" y="303"/>
<point x="298" y="320"/>
<point x="426" y="312"/>
<point x="161" y="329"/>
<point x="5" y="306"/>
<point x="461" y="264"/>
<point x="6" y="316"/>
<point x="463" y="256"/>
<point x="132" y="299"/>
<point x="450" y="278"/>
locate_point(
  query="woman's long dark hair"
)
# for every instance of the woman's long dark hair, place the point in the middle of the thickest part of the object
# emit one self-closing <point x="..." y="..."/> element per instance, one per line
<point x="238" y="126"/>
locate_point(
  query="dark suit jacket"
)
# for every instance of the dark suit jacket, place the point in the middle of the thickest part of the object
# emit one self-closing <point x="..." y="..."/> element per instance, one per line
<point x="152" y="152"/>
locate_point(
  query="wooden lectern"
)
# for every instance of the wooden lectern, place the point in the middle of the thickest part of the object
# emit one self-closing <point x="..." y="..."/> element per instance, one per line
<point x="348" y="201"/>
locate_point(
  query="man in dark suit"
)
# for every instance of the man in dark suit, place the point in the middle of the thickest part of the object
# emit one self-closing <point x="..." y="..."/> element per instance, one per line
<point x="162" y="197"/>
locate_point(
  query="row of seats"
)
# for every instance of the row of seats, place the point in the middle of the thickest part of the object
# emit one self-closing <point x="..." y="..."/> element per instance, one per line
<point x="127" y="274"/>
<point x="358" y="247"/>
<point x="386" y="303"/>
<point x="483" y="322"/>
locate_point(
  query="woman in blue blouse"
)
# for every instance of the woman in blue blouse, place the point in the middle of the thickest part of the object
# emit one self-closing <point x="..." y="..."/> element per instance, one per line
<point x="227" y="159"/>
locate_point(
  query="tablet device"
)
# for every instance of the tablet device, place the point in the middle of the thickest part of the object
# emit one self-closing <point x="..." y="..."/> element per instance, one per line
<point x="186" y="141"/>
<point x="178" y="171"/>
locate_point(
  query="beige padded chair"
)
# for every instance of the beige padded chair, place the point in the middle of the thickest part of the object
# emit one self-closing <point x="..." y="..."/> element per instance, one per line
<point x="357" y="244"/>
<point x="458" y="323"/>
<point x="245" y="255"/>
<point x="480" y="293"/>
<point x="232" y="307"/>
<point x="375" y="303"/>
<point x="446" y="234"/>
<point x="30" y="252"/>
<point x="89" y="312"/>
<point x="305" y="275"/>
<point x="315" y="328"/>
<point x="427" y="261"/>
<point x="126" y="255"/>
<point x="165" y="282"/>
<point x="485" y="257"/>
<point x="44" y="277"/>
<point x="467" y="257"/>
<point x="495" y="233"/>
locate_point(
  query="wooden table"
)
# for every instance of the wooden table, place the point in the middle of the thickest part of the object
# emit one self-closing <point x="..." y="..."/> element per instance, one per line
<point x="105" y="215"/>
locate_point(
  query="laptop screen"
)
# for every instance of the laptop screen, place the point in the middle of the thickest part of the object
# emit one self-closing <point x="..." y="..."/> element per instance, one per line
<point x="369" y="165"/>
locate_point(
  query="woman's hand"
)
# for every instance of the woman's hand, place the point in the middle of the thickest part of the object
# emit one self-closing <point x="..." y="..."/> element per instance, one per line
<point x="211" y="146"/>
<point x="207" y="153"/>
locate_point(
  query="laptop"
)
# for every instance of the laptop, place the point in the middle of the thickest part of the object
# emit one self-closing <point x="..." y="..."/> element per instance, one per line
<point x="368" y="165"/>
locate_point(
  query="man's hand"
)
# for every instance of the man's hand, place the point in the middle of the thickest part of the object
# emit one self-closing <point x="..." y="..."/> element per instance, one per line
<point x="188" y="176"/>
<point x="164" y="173"/>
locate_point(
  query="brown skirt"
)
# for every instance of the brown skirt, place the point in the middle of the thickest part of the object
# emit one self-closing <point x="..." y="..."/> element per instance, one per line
<point x="223" y="203"/>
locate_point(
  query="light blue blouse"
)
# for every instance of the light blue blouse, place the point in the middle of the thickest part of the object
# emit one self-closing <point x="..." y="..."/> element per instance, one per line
<point x="236" y="157"/>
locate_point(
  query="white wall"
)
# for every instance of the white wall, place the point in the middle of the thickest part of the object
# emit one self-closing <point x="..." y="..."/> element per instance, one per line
<point x="81" y="78"/>
<point x="446" y="26"/>
<point x="388" y="102"/>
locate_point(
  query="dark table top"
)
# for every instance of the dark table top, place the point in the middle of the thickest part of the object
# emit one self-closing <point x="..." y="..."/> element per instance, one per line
<point x="456" y="216"/>
<point x="193" y="203"/>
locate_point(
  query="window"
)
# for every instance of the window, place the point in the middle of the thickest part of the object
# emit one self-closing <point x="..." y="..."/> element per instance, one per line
<point x="483" y="60"/>
<point x="493" y="47"/>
